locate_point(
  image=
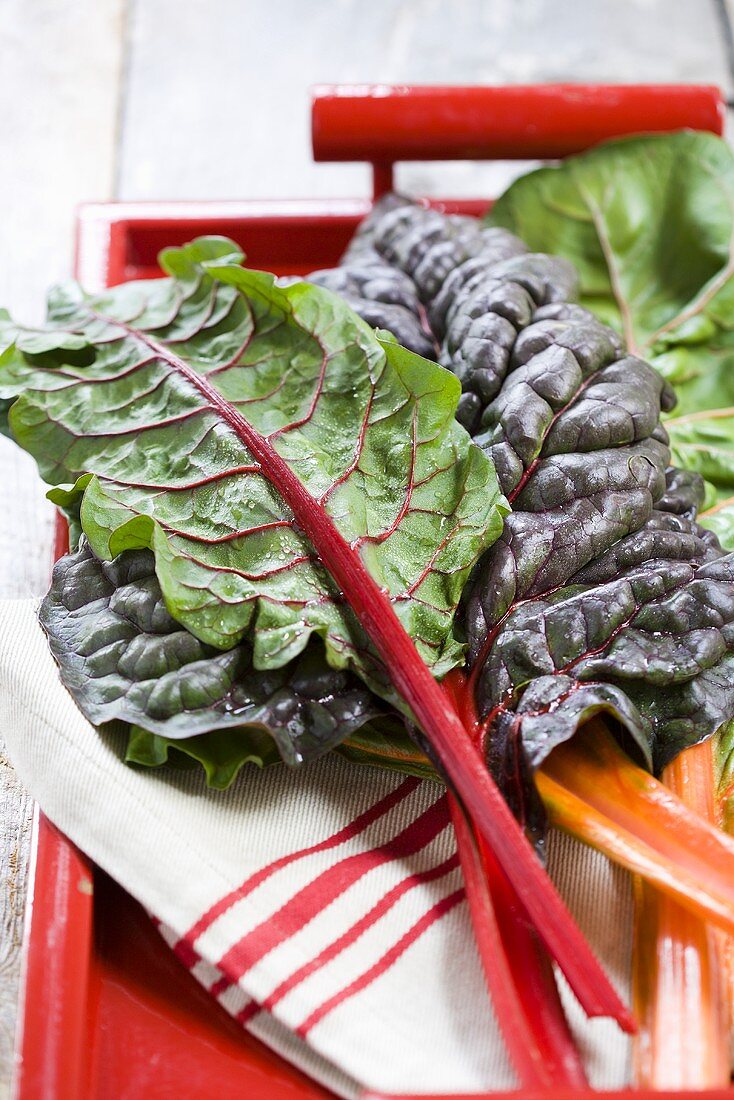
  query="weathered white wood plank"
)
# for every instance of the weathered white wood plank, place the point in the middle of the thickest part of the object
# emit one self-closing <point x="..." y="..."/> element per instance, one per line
<point x="16" y="808"/>
<point x="59" y="86"/>
<point x="234" y="120"/>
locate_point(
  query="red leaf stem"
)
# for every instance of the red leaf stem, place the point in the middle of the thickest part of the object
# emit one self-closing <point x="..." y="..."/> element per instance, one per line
<point x="433" y="710"/>
<point x="517" y="970"/>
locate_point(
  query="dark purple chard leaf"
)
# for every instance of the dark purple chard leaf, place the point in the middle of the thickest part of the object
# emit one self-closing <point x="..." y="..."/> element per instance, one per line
<point x="654" y="648"/>
<point x="398" y="264"/>
<point x="602" y="547"/>
<point x="684" y="493"/>
<point x="575" y="437"/>
<point x="427" y="245"/>
<point x="648" y="223"/>
<point x="123" y="657"/>
<point x="602" y="593"/>
<point x="384" y="297"/>
<point x="477" y="287"/>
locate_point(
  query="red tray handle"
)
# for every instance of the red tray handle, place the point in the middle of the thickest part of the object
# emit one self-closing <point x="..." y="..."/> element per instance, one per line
<point x="387" y="123"/>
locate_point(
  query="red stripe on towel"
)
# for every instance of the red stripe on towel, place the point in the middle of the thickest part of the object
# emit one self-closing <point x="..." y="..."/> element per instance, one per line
<point x="349" y="937"/>
<point x="388" y="959"/>
<point x="326" y="887"/>
<point x="185" y="947"/>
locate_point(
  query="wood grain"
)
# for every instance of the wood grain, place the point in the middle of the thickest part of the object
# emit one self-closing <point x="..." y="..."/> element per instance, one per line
<point x="235" y="123"/>
<point x="59" y="83"/>
<point x="16" y="810"/>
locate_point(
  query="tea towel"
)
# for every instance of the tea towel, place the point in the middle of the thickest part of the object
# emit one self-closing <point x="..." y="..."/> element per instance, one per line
<point x="323" y="908"/>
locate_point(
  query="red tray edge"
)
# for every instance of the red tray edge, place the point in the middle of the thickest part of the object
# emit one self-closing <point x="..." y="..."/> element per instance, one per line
<point x="56" y="949"/>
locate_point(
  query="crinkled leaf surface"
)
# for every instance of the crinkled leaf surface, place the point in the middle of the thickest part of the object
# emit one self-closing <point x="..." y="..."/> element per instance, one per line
<point x="661" y="662"/>
<point x="122" y="656"/>
<point x="110" y="405"/>
<point x="649" y="224"/>
<point x="602" y="593"/>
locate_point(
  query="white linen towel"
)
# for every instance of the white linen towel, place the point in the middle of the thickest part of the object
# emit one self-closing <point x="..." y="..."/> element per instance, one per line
<point x="323" y="908"/>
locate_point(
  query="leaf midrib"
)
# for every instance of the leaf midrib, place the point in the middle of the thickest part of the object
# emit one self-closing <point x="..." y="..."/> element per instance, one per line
<point x="431" y="706"/>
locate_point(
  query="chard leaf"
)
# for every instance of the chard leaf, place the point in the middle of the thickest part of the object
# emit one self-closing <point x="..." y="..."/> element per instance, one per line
<point x="660" y="659"/>
<point x="383" y="295"/>
<point x="221" y="753"/>
<point x="724" y="769"/>
<point x="146" y="415"/>
<point x="603" y="592"/>
<point x="720" y="519"/>
<point x="122" y="656"/>
<point x="649" y="224"/>
<point x="386" y="743"/>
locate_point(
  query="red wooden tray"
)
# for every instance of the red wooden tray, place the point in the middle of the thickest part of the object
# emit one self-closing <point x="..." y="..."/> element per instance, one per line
<point x="106" y="1010"/>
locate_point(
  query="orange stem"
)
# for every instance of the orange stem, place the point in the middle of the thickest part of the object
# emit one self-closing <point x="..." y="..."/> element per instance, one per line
<point x="678" y="979"/>
<point x="592" y="790"/>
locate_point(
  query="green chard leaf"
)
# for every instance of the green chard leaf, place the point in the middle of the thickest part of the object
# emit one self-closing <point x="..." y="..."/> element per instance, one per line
<point x="719" y="518"/>
<point x="385" y="742"/>
<point x="649" y="224"/>
<point x="128" y="404"/>
<point x="724" y="768"/>
<point x="220" y="753"/>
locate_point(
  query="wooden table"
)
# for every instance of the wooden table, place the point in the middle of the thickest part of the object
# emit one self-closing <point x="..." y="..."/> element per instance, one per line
<point x="146" y="99"/>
